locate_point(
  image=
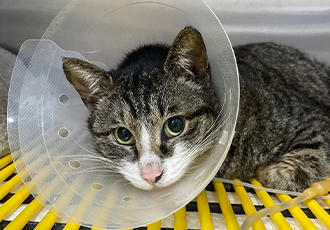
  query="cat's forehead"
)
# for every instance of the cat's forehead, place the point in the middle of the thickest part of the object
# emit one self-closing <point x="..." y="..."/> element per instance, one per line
<point x="152" y="97"/>
<point x="159" y="94"/>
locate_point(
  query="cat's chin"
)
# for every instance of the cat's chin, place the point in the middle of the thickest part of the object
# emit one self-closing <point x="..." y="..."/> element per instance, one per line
<point x="146" y="186"/>
<point x="143" y="186"/>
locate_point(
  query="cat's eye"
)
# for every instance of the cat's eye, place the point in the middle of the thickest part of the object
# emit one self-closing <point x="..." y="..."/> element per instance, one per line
<point x="174" y="126"/>
<point x="123" y="136"/>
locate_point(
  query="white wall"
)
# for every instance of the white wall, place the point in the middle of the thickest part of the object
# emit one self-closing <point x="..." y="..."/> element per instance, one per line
<point x="304" y="24"/>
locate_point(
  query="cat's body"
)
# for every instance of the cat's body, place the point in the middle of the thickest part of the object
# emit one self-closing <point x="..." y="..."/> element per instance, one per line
<point x="283" y="129"/>
<point x="157" y="112"/>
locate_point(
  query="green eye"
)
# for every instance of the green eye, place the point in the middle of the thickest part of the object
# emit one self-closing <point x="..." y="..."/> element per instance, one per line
<point x="174" y="126"/>
<point x="123" y="136"/>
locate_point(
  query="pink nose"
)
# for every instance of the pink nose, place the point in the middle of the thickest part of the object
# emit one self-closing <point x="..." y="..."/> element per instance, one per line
<point x="151" y="173"/>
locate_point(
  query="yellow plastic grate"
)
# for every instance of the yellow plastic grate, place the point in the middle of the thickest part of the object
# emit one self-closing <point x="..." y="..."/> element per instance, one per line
<point x="207" y="218"/>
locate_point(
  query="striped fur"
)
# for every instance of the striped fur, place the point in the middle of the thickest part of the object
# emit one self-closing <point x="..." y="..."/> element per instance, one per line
<point x="149" y="87"/>
<point x="282" y="134"/>
<point x="283" y="129"/>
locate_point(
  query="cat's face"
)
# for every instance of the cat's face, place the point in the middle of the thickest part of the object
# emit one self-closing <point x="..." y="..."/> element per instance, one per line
<point x="152" y="121"/>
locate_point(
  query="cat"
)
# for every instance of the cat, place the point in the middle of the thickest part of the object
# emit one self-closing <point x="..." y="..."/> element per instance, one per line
<point x="157" y="113"/>
<point x="149" y="114"/>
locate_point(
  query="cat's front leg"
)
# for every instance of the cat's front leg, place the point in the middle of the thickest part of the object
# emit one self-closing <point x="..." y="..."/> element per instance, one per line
<point x="295" y="171"/>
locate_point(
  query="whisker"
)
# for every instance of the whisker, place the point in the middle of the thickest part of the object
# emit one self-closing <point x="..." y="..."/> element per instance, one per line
<point x="93" y="154"/>
<point x="93" y="157"/>
<point x="91" y="171"/>
<point x="119" y="181"/>
<point x="95" y="169"/>
<point x="207" y="141"/>
<point x="217" y="124"/>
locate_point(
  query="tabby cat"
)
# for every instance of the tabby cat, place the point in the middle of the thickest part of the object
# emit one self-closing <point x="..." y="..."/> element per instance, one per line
<point x="157" y="113"/>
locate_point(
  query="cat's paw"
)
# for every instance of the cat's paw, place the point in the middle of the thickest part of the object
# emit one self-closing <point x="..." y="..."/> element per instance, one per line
<point x="294" y="171"/>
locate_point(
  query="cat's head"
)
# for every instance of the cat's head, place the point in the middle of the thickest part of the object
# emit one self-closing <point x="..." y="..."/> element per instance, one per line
<point x="156" y="114"/>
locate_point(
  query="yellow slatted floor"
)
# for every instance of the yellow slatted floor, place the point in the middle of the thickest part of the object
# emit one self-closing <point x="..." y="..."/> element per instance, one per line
<point x="14" y="215"/>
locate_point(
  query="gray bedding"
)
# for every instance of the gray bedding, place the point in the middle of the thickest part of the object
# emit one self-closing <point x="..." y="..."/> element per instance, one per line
<point x="7" y="61"/>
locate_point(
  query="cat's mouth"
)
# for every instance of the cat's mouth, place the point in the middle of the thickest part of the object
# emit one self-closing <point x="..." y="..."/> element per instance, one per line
<point x="154" y="175"/>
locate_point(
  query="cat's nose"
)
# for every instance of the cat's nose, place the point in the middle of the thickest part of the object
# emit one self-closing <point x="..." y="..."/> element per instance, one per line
<point x="151" y="173"/>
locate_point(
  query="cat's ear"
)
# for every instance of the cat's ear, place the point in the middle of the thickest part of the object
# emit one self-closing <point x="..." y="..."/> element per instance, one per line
<point x="188" y="53"/>
<point x="89" y="80"/>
